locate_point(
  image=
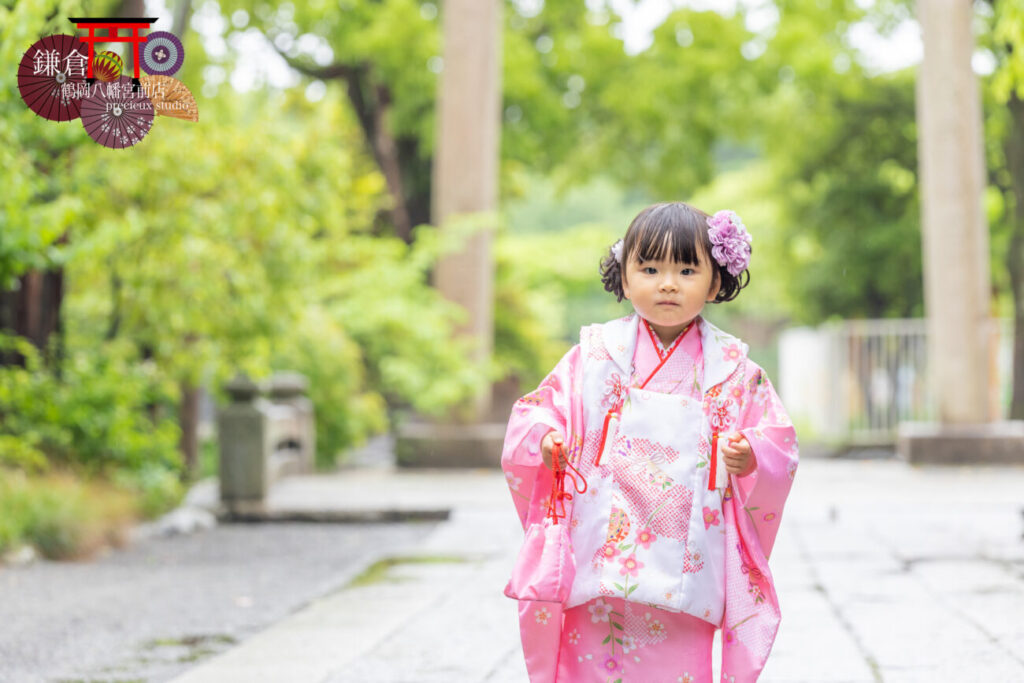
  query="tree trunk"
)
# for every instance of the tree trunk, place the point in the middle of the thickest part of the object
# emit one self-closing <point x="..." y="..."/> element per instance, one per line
<point x="1014" y="149"/>
<point x="181" y="15"/>
<point x="32" y="311"/>
<point x="386" y="151"/>
<point x="407" y="176"/>
<point x="189" y="422"/>
<point x="131" y="8"/>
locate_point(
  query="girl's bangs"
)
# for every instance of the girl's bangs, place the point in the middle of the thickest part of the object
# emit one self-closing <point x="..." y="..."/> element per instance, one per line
<point x="673" y="237"/>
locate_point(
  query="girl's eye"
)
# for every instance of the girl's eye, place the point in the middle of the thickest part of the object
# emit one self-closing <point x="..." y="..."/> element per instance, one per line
<point x="650" y="270"/>
<point x="687" y="271"/>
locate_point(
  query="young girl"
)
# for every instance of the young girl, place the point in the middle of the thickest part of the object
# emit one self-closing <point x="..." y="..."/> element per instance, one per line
<point x="688" y="457"/>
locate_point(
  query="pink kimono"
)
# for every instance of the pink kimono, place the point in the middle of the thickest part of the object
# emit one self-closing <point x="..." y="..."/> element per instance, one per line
<point x="656" y="529"/>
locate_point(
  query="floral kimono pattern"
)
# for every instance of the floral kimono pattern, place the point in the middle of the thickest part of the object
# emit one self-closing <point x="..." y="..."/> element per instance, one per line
<point x="652" y="530"/>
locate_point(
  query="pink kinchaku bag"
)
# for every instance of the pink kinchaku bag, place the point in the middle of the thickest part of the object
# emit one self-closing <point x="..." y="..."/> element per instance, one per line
<point x="545" y="567"/>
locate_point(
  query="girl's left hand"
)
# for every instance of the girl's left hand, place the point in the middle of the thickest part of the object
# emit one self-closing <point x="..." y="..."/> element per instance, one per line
<point x="738" y="456"/>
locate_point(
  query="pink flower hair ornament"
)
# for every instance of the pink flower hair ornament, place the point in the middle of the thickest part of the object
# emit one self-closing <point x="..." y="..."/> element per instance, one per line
<point x="730" y="241"/>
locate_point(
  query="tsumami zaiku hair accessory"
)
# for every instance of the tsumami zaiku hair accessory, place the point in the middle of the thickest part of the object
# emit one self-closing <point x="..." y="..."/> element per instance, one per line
<point x="617" y="251"/>
<point x="730" y="241"/>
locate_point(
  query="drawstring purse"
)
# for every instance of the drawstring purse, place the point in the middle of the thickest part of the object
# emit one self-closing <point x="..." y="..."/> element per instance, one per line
<point x="545" y="568"/>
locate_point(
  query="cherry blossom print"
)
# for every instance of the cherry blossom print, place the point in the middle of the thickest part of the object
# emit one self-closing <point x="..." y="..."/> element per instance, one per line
<point x="645" y="537"/>
<point x="599" y="611"/>
<point x="729" y="636"/>
<point x="612" y="665"/>
<point x="630" y="565"/>
<point x="656" y="628"/>
<point x="542" y="615"/>
<point x="732" y="353"/>
<point x="513" y="481"/>
<point x="574" y="637"/>
<point x="710" y="518"/>
<point x="693" y="562"/>
<point x="608" y="551"/>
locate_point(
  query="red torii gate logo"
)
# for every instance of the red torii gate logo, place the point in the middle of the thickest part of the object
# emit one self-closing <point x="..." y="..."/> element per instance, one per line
<point x="113" y="27"/>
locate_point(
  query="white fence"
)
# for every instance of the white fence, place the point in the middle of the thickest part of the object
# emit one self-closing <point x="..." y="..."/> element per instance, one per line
<point x="853" y="382"/>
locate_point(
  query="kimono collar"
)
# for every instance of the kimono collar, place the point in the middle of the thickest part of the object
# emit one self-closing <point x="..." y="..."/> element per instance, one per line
<point x="722" y="351"/>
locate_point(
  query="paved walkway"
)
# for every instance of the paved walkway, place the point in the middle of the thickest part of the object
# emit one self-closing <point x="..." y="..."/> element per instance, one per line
<point x="885" y="572"/>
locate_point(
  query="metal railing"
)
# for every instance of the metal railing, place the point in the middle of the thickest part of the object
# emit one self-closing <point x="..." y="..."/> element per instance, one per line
<point x="852" y="382"/>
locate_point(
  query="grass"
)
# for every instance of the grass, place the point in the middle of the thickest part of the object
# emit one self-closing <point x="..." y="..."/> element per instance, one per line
<point x="189" y="641"/>
<point x="62" y="516"/>
<point x="379" y="571"/>
<point x="198" y="646"/>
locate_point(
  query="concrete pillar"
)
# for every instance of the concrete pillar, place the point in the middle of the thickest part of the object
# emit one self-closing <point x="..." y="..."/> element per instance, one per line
<point x="956" y="252"/>
<point x="955" y="233"/>
<point x="290" y="390"/>
<point x="465" y="173"/>
<point x="244" y="449"/>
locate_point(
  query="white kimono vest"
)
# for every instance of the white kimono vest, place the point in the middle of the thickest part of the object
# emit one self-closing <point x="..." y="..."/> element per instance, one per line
<point x="643" y="529"/>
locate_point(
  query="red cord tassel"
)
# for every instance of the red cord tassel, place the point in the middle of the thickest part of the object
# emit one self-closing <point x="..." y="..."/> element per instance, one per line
<point x="556" y="503"/>
<point x="613" y="413"/>
<point x="713" y="473"/>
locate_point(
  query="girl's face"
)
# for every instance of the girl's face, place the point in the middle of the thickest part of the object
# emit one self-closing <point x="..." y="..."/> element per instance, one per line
<point x="669" y="294"/>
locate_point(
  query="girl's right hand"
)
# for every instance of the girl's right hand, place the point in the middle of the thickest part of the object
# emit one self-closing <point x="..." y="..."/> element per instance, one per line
<point x="547" y="445"/>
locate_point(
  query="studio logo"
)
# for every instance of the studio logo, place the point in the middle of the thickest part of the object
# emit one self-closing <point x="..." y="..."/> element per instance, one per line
<point x="62" y="78"/>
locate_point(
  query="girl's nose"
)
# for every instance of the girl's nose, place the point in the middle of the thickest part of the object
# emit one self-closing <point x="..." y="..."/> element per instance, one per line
<point x="668" y="284"/>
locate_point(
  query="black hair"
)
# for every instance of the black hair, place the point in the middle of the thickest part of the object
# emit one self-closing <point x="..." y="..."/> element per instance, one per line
<point x="671" y="230"/>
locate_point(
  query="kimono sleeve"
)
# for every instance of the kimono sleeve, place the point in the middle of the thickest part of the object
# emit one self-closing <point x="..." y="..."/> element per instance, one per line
<point x="550" y="407"/>
<point x="769" y="431"/>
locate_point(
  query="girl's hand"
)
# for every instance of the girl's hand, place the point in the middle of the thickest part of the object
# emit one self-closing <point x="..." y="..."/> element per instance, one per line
<point x="739" y="457"/>
<point x="547" y="445"/>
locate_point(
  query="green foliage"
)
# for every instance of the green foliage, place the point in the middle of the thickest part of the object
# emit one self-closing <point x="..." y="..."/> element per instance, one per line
<point x="848" y="172"/>
<point x="345" y="408"/>
<point x="34" y="212"/>
<point x="156" y="488"/>
<point x="94" y="417"/>
<point x="547" y="286"/>
<point x="1002" y="92"/>
<point x="404" y="327"/>
<point x="267" y="244"/>
<point x="1005" y="19"/>
<point x="20" y="452"/>
<point x="840" y="205"/>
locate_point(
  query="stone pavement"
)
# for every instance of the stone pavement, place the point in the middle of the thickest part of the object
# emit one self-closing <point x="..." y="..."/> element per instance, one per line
<point x="885" y="572"/>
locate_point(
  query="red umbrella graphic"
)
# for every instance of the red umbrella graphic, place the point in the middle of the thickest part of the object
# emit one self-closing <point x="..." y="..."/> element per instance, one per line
<point x="51" y="76"/>
<point x="116" y="117"/>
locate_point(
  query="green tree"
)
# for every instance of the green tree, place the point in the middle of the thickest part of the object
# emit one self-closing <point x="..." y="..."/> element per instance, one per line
<point x="1004" y="126"/>
<point x="245" y="241"/>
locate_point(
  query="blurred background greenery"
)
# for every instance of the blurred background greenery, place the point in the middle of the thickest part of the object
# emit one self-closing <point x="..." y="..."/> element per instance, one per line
<point x="289" y="228"/>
